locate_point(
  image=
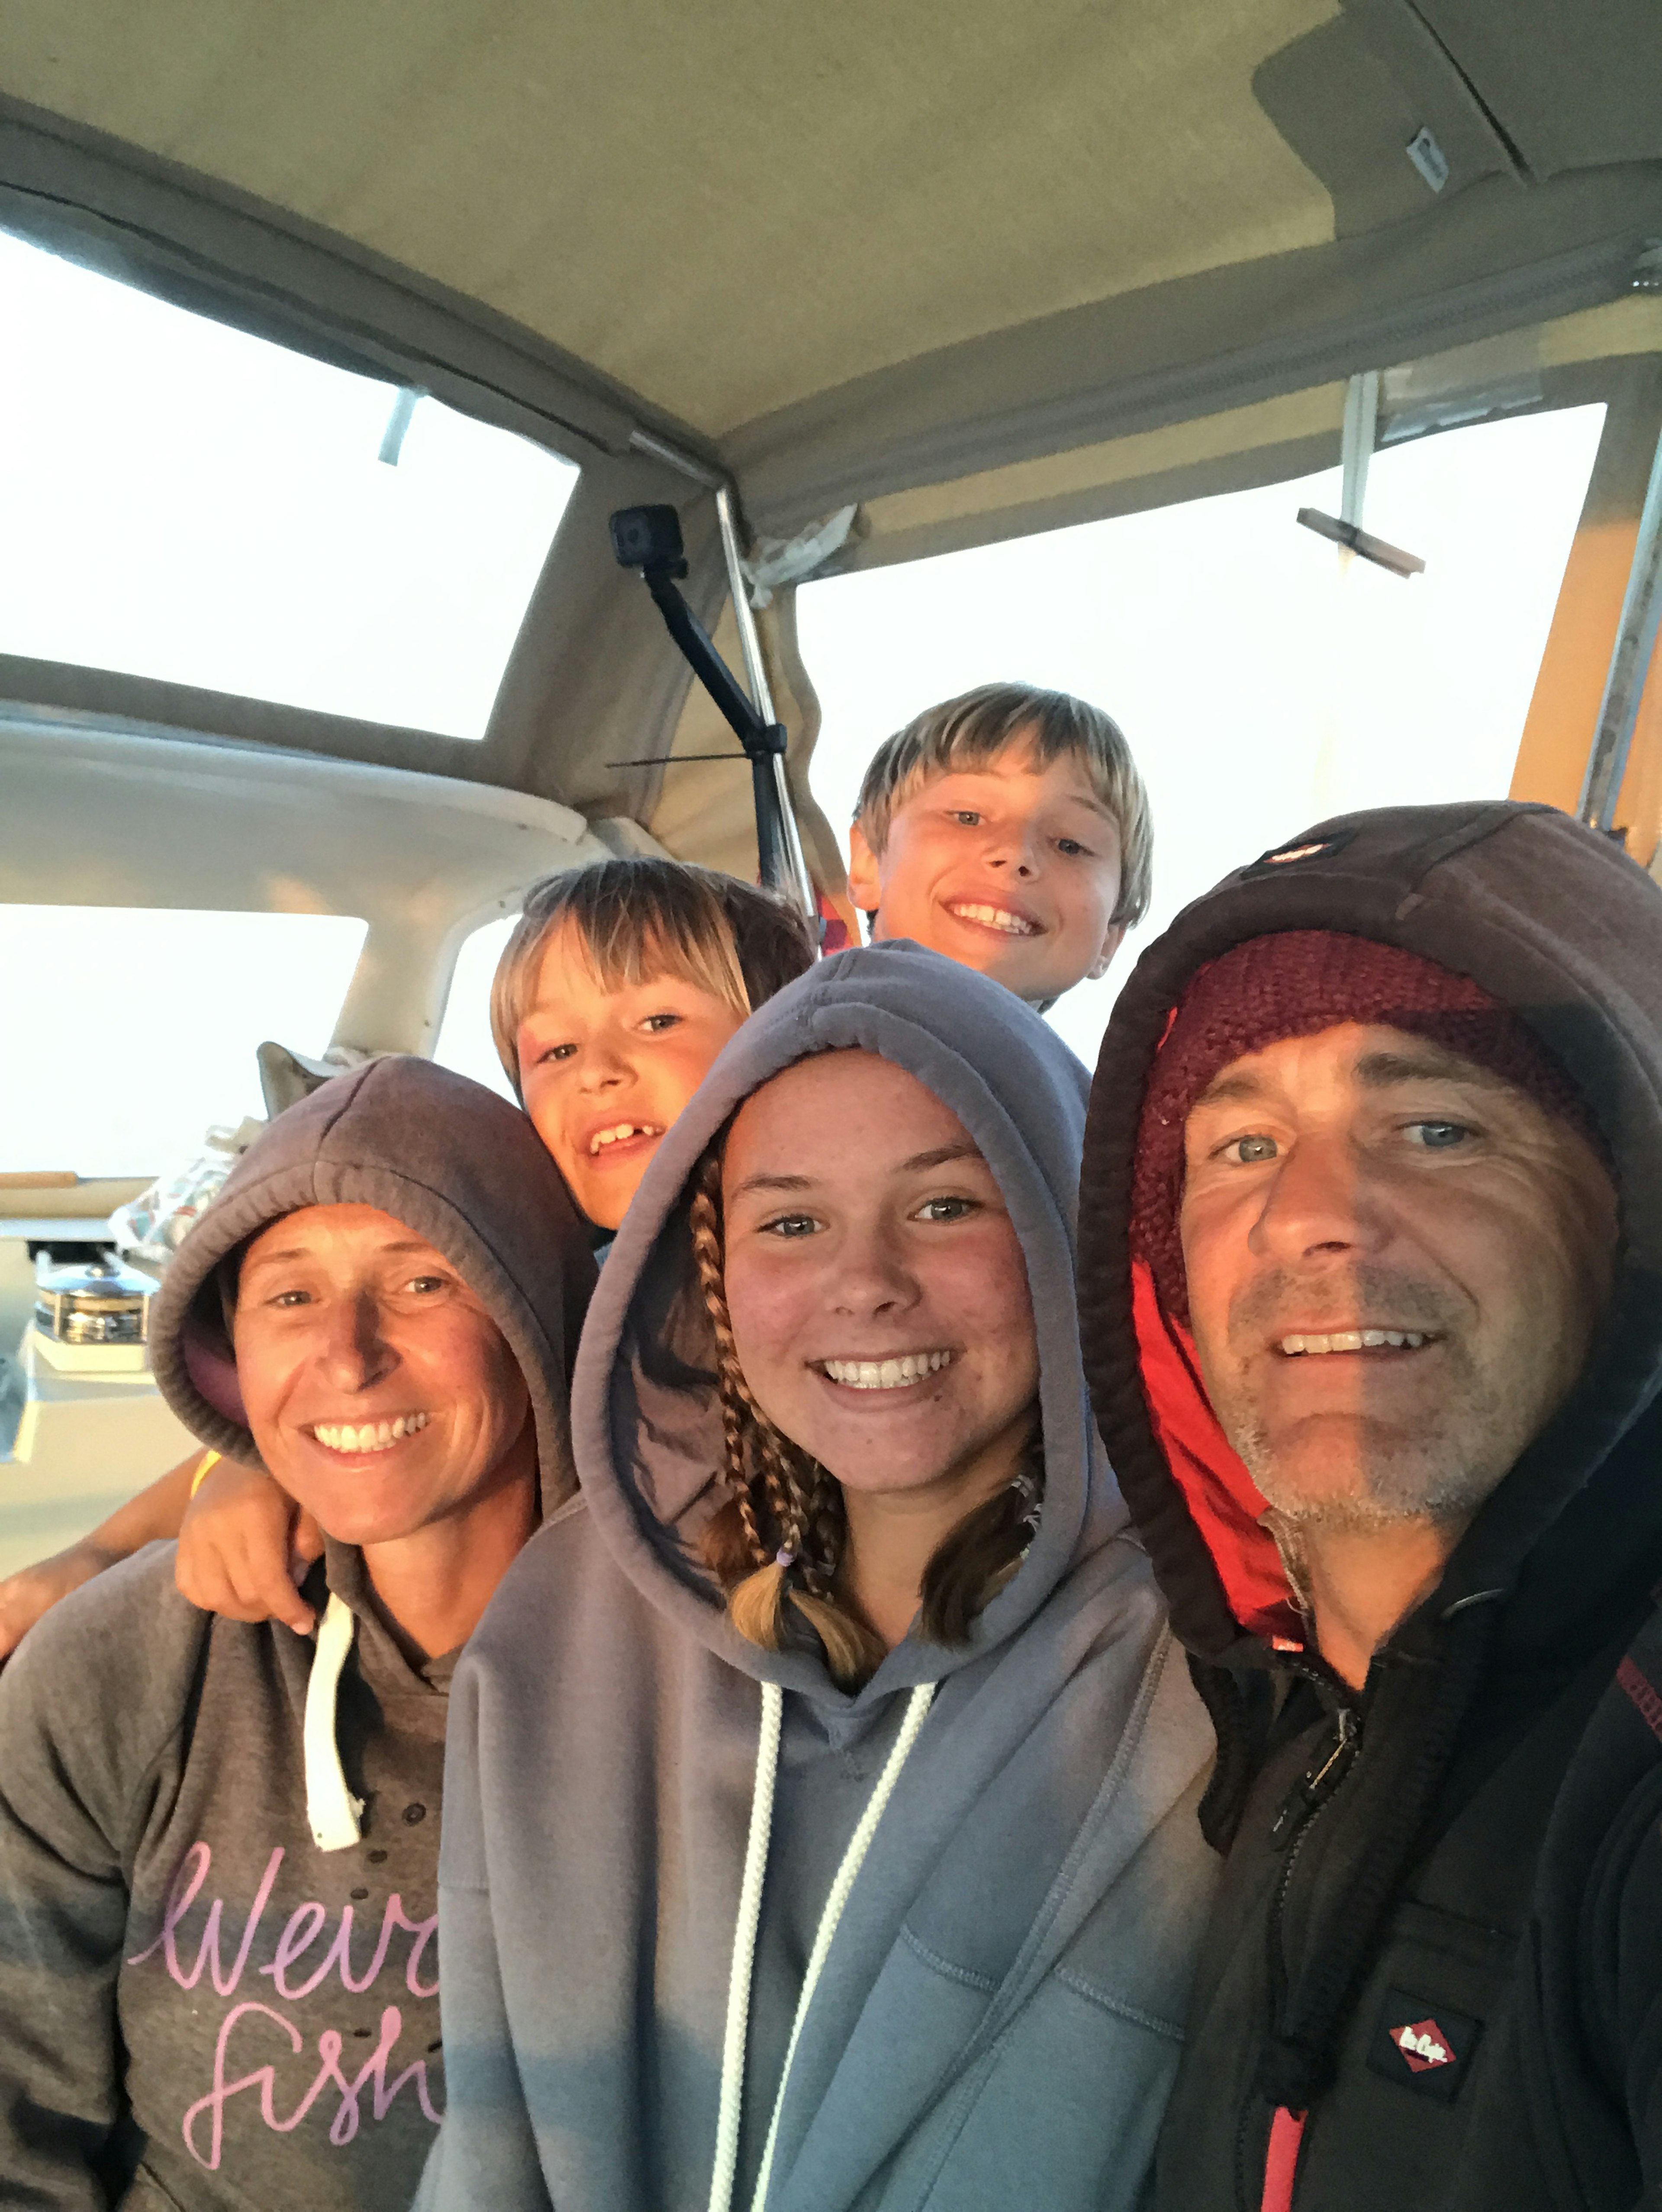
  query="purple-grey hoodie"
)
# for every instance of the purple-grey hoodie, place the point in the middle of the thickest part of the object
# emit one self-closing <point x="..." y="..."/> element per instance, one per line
<point x="997" y="2021"/>
<point x="201" y="2010"/>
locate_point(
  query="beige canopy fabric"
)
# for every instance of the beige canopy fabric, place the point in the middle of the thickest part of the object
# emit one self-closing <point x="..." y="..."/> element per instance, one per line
<point x="784" y="228"/>
<point x="1265" y="442"/>
<point x="921" y="255"/>
<point x="725" y="208"/>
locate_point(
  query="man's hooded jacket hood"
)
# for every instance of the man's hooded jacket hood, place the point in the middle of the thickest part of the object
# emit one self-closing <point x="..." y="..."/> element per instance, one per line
<point x="452" y="1162"/>
<point x="1559" y="926"/>
<point x="606" y="1724"/>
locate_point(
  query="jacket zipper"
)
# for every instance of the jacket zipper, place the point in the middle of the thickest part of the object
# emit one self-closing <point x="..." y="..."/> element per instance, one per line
<point x="1300" y="1809"/>
<point x="1312" y="1791"/>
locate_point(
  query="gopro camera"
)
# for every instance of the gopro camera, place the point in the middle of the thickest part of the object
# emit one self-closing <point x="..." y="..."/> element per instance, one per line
<point x="648" y="538"/>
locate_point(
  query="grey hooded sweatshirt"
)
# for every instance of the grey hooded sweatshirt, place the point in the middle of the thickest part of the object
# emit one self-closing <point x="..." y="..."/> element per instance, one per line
<point x="995" y="2023"/>
<point x="218" y="1986"/>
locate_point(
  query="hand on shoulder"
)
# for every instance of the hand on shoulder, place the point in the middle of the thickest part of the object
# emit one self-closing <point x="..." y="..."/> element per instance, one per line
<point x="244" y="1547"/>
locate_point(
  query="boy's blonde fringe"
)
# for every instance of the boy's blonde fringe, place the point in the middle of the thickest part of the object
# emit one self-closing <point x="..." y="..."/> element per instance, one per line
<point x="976" y="727"/>
<point x="643" y="917"/>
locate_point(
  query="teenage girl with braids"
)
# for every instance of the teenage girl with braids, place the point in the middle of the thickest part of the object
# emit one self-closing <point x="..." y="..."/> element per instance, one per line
<point x="783" y="1539"/>
<point x="819" y="1806"/>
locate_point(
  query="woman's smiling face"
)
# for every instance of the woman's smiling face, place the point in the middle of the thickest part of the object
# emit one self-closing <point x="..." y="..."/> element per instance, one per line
<point x="382" y="1395"/>
<point x="877" y="1288"/>
<point x="604" y="1072"/>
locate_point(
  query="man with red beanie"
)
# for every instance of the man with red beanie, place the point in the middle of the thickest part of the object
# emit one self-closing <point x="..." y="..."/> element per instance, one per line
<point x="1371" y="1221"/>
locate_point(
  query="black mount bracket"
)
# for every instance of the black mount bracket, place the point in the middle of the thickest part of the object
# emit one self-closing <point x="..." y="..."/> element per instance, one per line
<point x="648" y="539"/>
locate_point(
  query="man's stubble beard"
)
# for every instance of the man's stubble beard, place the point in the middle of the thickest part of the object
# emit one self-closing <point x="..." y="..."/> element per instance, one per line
<point x="1442" y="1470"/>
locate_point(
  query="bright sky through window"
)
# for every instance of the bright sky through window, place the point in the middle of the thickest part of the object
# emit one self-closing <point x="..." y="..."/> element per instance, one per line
<point x="1263" y="679"/>
<point x="130" y="1030"/>
<point x="465" y="1041"/>
<point x="187" y="503"/>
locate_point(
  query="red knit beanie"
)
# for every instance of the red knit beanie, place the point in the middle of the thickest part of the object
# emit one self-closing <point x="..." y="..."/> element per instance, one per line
<point x="1293" y="984"/>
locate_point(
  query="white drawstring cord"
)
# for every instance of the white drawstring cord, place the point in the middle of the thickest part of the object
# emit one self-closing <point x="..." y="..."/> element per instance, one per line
<point x="332" y="1811"/>
<point x="744" y="1949"/>
<point x="917" y="1707"/>
<point x="750" y="1914"/>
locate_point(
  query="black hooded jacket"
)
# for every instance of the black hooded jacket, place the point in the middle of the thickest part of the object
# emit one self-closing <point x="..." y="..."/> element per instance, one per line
<point x="1439" y="1933"/>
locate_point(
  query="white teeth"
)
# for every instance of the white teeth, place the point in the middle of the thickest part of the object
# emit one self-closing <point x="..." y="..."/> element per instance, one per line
<point x="369" y="1436"/>
<point x="1353" y="1339"/>
<point x="617" y="1136"/>
<point x="997" y="917"/>
<point x="886" y="1374"/>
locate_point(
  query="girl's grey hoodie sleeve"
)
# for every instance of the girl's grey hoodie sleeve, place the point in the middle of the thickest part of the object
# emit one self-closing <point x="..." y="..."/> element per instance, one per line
<point x="490" y="2154"/>
<point x="997" y="2021"/>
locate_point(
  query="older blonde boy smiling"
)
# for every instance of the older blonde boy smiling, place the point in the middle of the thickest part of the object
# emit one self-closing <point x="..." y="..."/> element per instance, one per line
<point x="1008" y="828"/>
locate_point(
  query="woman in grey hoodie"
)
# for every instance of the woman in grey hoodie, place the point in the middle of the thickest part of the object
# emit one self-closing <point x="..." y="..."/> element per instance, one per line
<point x="754" y="1889"/>
<point x="218" y="1841"/>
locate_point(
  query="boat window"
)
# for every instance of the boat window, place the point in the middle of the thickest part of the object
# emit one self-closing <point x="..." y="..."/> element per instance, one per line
<point x="1263" y="679"/>
<point x="186" y="502"/>
<point x="129" y="1030"/>
<point x="465" y="1033"/>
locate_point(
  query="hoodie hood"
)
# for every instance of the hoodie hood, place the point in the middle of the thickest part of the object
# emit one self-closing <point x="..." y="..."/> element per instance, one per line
<point x="644" y="1408"/>
<point x="454" y="1163"/>
<point x="1554" y="921"/>
<point x="853" y="1941"/>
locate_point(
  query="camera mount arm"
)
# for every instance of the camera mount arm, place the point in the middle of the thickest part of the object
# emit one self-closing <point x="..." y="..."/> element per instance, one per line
<point x="649" y="540"/>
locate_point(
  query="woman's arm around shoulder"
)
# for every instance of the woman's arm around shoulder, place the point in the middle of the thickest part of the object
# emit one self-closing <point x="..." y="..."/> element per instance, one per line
<point x="153" y="1515"/>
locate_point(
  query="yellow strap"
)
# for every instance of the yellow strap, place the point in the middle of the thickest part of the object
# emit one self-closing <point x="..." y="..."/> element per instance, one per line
<point x="209" y="1460"/>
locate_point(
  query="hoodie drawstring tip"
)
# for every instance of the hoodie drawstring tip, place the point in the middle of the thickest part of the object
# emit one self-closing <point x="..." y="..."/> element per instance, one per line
<point x="333" y="1814"/>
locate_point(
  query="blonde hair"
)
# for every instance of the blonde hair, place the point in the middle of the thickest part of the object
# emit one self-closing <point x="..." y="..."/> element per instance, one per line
<point x="780" y="1536"/>
<point x="976" y="726"/>
<point x="638" y="918"/>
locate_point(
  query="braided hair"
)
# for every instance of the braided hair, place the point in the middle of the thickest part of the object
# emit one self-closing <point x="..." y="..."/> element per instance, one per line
<point x="781" y="1538"/>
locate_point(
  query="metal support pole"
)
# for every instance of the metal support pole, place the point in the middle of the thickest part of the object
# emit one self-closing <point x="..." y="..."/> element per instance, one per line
<point x="1624" y="686"/>
<point x="795" y="866"/>
<point x="1359" y="435"/>
<point x="750" y="642"/>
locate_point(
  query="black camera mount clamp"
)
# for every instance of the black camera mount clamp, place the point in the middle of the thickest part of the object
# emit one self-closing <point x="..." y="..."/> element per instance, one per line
<point x="648" y="538"/>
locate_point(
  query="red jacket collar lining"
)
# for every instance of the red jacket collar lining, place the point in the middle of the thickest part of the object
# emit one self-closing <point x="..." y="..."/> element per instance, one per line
<point x="1224" y="1502"/>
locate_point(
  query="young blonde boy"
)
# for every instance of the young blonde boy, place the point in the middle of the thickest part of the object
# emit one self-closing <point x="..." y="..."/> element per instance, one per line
<point x="1009" y="829"/>
<point x="619" y="987"/>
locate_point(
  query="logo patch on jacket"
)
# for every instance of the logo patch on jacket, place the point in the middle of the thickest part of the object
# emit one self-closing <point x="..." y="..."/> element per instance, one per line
<point x="1423" y="2046"/>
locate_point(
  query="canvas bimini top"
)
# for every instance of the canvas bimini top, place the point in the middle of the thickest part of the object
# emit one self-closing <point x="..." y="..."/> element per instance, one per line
<point x="839" y="254"/>
<point x="973" y="275"/>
